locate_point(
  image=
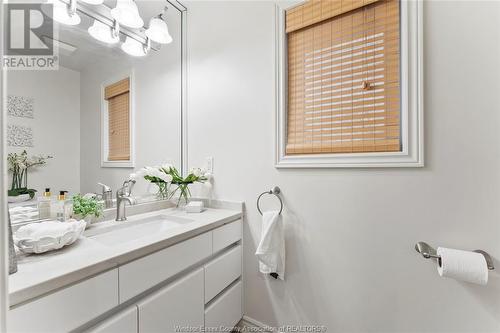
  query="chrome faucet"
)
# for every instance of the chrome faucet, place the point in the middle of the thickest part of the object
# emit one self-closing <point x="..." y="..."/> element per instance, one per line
<point x="107" y="195"/>
<point x="122" y="196"/>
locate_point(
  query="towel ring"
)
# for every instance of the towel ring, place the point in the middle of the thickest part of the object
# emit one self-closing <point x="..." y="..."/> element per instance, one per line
<point x="275" y="190"/>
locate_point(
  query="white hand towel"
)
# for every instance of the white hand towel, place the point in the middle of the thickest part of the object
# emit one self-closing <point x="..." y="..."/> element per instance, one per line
<point x="271" y="249"/>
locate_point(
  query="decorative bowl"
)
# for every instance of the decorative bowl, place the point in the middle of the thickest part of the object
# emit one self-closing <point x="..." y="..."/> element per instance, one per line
<point x="18" y="198"/>
<point x="47" y="236"/>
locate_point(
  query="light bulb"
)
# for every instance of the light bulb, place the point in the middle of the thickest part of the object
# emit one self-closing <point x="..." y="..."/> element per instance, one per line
<point x="127" y="14"/>
<point x="158" y="31"/>
<point x="93" y="2"/>
<point x="133" y="47"/>
<point x="62" y="14"/>
<point x="103" y="33"/>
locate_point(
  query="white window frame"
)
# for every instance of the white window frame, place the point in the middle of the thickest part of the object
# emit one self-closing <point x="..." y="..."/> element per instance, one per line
<point x="412" y="115"/>
<point x="105" y="163"/>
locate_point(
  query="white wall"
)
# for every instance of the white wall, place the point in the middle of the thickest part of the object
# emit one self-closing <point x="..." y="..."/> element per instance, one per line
<point x="157" y="110"/>
<point x="350" y="233"/>
<point x="56" y="126"/>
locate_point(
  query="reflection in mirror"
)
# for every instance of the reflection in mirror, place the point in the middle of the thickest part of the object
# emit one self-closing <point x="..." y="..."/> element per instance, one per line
<point x="112" y="106"/>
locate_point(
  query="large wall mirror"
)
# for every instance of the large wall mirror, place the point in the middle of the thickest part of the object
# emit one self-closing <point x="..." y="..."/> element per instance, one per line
<point x="113" y="105"/>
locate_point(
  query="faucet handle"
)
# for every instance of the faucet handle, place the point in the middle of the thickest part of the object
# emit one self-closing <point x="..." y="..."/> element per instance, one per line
<point x="130" y="186"/>
<point x="126" y="189"/>
<point x="105" y="188"/>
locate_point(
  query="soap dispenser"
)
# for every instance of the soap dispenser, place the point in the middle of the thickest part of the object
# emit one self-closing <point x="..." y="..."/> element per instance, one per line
<point x="67" y="208"/>
<point x="44" y="203"/>
<point x="57" y="207"/>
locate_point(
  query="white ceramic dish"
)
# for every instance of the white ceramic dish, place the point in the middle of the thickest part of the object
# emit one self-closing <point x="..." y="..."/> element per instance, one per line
<point x="47" y="236"/>
<point x="18" y="198"/>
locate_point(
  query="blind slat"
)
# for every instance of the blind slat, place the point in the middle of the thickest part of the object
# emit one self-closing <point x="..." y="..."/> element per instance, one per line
<point x="343" y="78"/>
<point x="315" y="11"/>
<point x="118" y="98"/>
<point x="117" y="88"/>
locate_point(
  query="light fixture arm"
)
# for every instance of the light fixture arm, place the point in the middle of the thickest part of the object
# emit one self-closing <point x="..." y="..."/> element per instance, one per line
<point x="147" y="46"/>
<point x="115" y="30"/>
<point x="163" y="14"/>
<point x="72" y="8"/>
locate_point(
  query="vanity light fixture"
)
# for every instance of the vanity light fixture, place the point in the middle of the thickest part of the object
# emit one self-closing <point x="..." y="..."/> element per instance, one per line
<point x="127" y="14"/>
<point x="135" y="48"/>
<point x="104" y="33"/>
<point x="158" y="30"/>
<point x="66" y="14"/>
<point x="106" y="27"/>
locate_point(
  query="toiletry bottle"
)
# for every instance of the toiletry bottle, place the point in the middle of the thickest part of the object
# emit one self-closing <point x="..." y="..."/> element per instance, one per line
<point x="44" y="203"/>
<point x="67" y="208"/>
<point x="57" y="207"/>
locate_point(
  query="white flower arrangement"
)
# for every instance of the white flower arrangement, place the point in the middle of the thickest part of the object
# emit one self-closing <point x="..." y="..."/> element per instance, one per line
<point x="158" y="175"/>
<point x="154" y="174"/>
<point x="164" y="175"/>
<point x="19" y="165"/>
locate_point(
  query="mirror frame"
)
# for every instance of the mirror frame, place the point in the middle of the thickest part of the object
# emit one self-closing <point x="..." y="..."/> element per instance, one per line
<point x="4" y="250"/>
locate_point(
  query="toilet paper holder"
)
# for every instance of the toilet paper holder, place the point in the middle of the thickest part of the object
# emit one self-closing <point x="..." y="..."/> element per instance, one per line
<point x="428" y="251"/>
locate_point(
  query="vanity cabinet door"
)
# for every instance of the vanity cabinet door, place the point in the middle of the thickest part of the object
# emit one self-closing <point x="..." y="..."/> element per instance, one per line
<point x="179" y="304"/>
<point x="122" y="322"/>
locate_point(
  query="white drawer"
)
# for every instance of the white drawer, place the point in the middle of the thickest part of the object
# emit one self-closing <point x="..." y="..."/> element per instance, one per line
<point x="179" y="304"/>
<point x="142" y="274"/>
<point x="226" y="235"/>
<point x="122" y="322"/>
<point x="220" y="272"/>
<point x="225" y="312"/>
<point x="68" y="308"/>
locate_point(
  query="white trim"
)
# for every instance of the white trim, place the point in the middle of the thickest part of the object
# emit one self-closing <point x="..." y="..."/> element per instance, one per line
<point x="247" y="321"/>
<point x="105" y="163"/>
<point x="184" y="93"/>
<point x="412" y="114"/>
<point x="4" y="243"/>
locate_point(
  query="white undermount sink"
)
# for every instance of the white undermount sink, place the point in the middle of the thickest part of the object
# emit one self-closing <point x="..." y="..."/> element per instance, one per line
<point x="127" y="231"/>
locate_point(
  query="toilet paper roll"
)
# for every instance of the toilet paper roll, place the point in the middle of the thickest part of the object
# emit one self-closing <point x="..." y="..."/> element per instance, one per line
<point x="462" y="265"/>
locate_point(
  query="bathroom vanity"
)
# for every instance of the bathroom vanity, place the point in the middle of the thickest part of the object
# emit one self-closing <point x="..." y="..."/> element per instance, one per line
<point x="160" y="271"/>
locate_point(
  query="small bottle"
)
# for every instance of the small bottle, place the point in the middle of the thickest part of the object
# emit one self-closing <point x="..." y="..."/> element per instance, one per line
<point x="57" y="207"/>
<point x="44" y="203"/>
<point x="67" y="209"/>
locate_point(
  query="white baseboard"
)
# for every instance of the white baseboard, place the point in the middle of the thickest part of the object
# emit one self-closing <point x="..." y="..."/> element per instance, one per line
<point x="247" y="321"/>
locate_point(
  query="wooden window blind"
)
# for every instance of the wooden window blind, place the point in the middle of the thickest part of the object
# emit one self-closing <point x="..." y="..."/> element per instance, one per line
<point x="118" y="97"/>
<point x="343" y="77"/>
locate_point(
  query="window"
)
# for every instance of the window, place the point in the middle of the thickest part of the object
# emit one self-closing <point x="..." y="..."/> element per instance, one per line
<point x="117" y="124"/>
<point x="345" y="85"/>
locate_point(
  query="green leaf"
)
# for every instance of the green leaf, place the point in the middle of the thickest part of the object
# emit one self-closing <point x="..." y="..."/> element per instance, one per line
<point x="22" y="190"/>
<point x="87" y="206"/>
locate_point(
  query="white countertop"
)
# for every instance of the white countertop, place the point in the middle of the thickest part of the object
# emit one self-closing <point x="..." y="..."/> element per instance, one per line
<point x="45" y="273"/>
